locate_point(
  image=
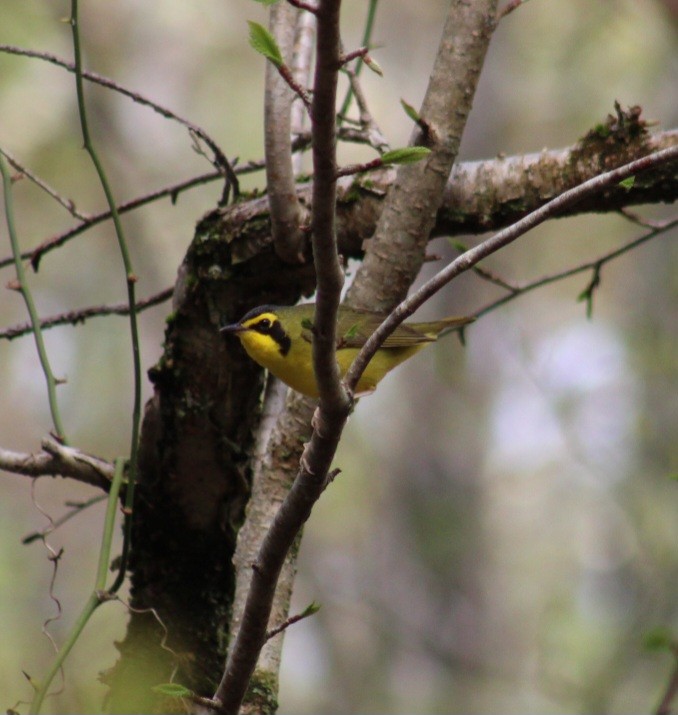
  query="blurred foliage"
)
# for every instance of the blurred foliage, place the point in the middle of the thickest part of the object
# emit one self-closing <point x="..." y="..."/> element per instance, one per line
<point x="502" y="536"/>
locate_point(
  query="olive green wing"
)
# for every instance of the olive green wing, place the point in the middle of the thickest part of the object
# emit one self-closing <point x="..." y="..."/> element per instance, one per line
<point x="353" y="331"/>
<point x="355" y="327"/>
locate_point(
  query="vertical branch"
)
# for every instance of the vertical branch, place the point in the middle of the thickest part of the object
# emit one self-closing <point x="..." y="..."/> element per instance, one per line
<point x="367" y="38"/>
<point x="30" y="305"/>
<point x="131" y="280"/>
<point x="304" y="43"/>
<point x="334" y="403"/>
<point x="279" y="434"/>
<point x="98" y="596"/>
<point x="329" y="274"/>
<point x="396" y="251"/>
<point x="278" y="98"/>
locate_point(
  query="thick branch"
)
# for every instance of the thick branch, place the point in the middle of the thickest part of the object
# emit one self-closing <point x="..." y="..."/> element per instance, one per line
<point x="479" y="196"/>
<point x="397" y="250"/>
<point x="285" y="208"/>
<point x="57" y="460"/>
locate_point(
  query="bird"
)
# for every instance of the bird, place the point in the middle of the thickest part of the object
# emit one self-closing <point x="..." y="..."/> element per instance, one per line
<point x="280" y="339"/>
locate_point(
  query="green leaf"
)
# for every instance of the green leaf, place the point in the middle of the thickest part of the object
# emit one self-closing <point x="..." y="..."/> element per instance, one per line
<point x="267" y="2"/>
<point x="264" y="43"/>
<point x="628" y="183"/>
<point x="312" y="608"/>
<point x="307" y="324"/>
<point x="173" y="690"/>
<point x="458" y="245"/>
<point x="411" y="112"/>
<point x="373" y="65"/>
<point x="351" y="332"/>
<point x="659" y="638"/>
<point x="406" y="155"/>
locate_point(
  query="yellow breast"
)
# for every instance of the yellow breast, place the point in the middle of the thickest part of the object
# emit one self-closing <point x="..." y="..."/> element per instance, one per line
<point x="295" y="368"/>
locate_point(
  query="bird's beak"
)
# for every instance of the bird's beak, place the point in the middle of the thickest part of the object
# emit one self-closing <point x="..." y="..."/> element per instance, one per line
<point x="234" y="328"/>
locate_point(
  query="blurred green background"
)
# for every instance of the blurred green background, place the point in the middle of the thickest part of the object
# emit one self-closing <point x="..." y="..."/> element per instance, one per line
<point x="503" y="533"/>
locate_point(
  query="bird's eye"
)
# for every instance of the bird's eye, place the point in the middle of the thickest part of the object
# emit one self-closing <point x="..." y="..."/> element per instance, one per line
<point x="264" y="325"/>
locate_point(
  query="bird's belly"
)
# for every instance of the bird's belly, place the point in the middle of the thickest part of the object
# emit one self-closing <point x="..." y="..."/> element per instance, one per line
<point x="296" y="368"/>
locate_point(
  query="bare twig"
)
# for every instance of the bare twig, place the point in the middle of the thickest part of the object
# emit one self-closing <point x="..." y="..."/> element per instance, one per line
<point x="68" y="204"/>
<point x="637" y="219"/>
<point x="54" y="557"/>
<point x="509" y="8"/>
<point x="353" y="55"/>
<point x="594" y="265"/>
<point x="57" y="460"/>
<point x="220" y="161"/>
<point x="306" y="613"/>
<point x="26" y="294"/>
<point x="56" y="523"/>
<point x="172" y="191"/>
<point x="73" y="317"/>
<point x="368" y="125"/>
<point x="130" y="282"/>
<point x="295" y="86"/>
<point x="352" y="169"/>
<point x="366" y="41"/>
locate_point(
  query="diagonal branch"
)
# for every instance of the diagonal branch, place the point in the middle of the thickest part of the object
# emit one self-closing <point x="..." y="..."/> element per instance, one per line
<point x="73" y="317"/>
<point x="220" y="161"/>
<point x="594" y="265"/>
<point x="492" y="245"/>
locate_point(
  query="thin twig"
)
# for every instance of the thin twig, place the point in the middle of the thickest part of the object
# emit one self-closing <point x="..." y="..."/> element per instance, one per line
<point x="74" y="317"/>
<point x="485" y="273"/>
<point x="365" y="42"/>
<point x="360" y="168"/>
<point x="220" y="161"/>
<point x="56" y="523"/>
<point x="637" y="219"/>
<point x="509" y="8"/>
<point x="98" y="596"/>
<point x="60" y="239"/>
<point x="368" y="125"/>
<point x="353" y="55"/>
<point x="130" y="282"/>
<point x="593" y="265"/>
<point x="68" y="204"/>
<point x="306" y="613"/>
<point x="30" y="304"/>
<point x="54" y="557"/>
